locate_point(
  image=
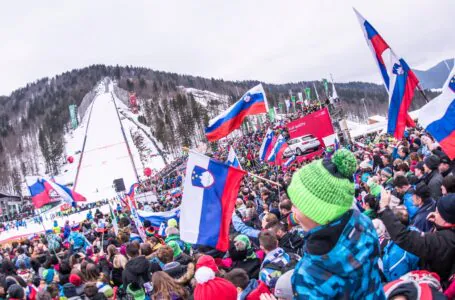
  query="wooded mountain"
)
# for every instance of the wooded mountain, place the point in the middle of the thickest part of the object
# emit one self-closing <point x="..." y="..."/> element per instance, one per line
<point x="34" y="119"/>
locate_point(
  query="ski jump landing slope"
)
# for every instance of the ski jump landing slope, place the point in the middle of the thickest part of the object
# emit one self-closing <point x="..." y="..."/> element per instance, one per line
<point x="105" y="157"/>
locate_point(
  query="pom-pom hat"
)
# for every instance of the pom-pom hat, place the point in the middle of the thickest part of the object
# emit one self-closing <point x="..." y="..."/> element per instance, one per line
<point x="324" y="190"/>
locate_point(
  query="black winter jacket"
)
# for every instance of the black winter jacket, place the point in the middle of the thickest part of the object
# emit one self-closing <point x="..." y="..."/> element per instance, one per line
<point x="435" y="249"/>
<point x="136" y="270"/>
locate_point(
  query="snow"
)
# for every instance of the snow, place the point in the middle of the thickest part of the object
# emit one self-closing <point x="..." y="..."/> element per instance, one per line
<point x="203" y="97"/>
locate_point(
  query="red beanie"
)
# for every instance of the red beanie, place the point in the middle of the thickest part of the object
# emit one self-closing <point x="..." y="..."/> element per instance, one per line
<point x="211" y="287"/>
<point x="207" y="261"/>
<point x="75" y="280"/>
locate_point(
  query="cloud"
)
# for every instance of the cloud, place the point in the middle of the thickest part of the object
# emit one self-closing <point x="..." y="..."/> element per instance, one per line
<point x="272" y="41"/>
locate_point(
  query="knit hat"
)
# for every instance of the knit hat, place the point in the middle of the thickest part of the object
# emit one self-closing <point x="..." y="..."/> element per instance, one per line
<point x="446" y="208"/>
<point x="242" y="239"/>
<point x="75" y="279"/>
<point x="432" y="162"/>
<point x="365" y="165"/>
<point x="69" y="290"/>
<point x="207" y="261"/>
<point x="137" y="294"/>
<point x="150" y="231"/>
<point x="48" y="275"/>
<point x="172" y="223"/>
<point x="387" y="171"/>
<point x="323" y="190"/>
<point x="211" y="287"/>
<point x="175" y="248"/>
<point x="16" y="291"/>
<point x="105" y="288"/>
<point x="283" y="287"/>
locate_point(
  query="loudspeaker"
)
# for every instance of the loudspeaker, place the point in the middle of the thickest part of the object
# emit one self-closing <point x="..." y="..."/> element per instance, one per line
<point x="119" y="185"/>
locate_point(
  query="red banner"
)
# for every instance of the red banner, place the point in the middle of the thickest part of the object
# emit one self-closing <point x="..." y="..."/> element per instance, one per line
<point x="319" y="124"/>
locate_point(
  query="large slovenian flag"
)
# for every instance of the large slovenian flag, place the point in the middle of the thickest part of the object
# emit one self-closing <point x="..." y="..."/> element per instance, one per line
<point x="252" y="102"/>
<point x="209" y="194"/>
<point x="279" y="144"/>
<point x="266" y="146"/>
<point x="399" y="80"/>
<point x="232" y="159"/>
<point x="438" y="117"/>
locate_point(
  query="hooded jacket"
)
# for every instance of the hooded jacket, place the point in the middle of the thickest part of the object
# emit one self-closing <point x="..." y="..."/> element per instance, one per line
<point x="420" y="218"/>
<point x="340" y="260"/>
<point x="434" y="182"/>
<point x="136" y="270"/>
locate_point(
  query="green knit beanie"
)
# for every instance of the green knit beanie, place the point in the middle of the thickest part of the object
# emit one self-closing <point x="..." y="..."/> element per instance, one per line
<point x="175" y="248"/>
<point x="324" y="190"/>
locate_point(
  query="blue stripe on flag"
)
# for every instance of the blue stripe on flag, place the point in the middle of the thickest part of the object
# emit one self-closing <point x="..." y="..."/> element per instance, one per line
<point x="442" y="128"/>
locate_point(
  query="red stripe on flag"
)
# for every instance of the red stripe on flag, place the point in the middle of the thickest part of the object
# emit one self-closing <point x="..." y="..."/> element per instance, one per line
<point x="234" y="123"/>
<point x="448" y="145"/>
<point x="379" y="46"/>
<point x="230" y="192"/>
<point x="403" y="116"/>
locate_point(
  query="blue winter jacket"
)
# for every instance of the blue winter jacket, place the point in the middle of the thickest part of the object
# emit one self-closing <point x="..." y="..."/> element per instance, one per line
<point x="348" y="269"/>
<point x="396" y="262"/>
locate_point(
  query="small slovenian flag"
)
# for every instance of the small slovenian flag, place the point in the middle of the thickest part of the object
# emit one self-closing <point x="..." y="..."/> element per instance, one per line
<point x="232" y="159"/>
<point x="289" y="161"/>
<point x="266" y="145"/>
<point x="252" y="103"/>
<point x="208" y="201"/>
<point x="280" y="142"/>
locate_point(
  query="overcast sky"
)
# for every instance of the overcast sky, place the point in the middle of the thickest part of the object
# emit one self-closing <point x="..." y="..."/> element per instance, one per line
<point x="272" y="41"/>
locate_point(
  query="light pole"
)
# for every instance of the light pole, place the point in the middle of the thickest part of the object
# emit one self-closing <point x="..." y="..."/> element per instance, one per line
<point x="364" y="105"/>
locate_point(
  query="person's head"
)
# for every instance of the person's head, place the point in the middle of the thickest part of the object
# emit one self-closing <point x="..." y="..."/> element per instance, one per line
<point x="146" y="249"/>
<point x="165" y="254"/>
<point x="265" y="193"/>
<point x="323" y="190"/>
<point x="239" y="277"/>
<point x="403" y="151"/>
<point x="268" y="241"/>
<point x="431" y="163"/>
<point x="444" y="215"/>
<point x="386" y="159"/>
<point x="285" y="207"/>
<point x="448" y="185"/>
<point x="370" y="202"/>
<point x="267" y="219"/>
<point x="401" y="212"/>
<point x="119" y="261"/>
<point x="283" y="288"/>
<point x="92" y="273"/>
<point x="15" y="291"/>
<point x="132" y="250"/>
<point x="421" y="194"/>
<point x="444" y="165"/>
<point x="111" y="250"/>
<point x="164" y="285"/>
<point x="239" y="202"/>
<point x="401" y="184"/>
<point x="419" y="169"/>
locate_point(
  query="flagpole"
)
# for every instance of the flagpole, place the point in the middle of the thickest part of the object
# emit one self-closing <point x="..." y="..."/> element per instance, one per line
<point x="262" y="178"/>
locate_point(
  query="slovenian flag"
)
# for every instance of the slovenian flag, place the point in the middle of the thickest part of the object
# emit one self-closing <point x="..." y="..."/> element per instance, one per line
<point x="208" y="201"/>
<point x="280" y="142"/>
<point x="399" y="80"/>
<point x="266" y="146"/>
<point x="438" y="117"/>
<point x="252" y="102"/>
<point x="289" y="162"/>
<point x="40" y="189"/>
<point x="232" y="159"/>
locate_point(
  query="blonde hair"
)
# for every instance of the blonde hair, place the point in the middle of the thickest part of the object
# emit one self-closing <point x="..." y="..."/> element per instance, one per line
<point x="119" y="261"/>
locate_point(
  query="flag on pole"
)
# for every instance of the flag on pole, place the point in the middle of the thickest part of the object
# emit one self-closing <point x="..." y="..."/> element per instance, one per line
<point x="114" y="220"/>
<point x="137" y="221"/>
<point x="300" y="98"/>
<point x="399" y="80"/>
<point x="334" y="93"/>
<point x="272" y="114"/>
<point x="288" y="104"/>
<point x="280" y="106"/>
<point x="293" y="102"/>
<point x="326" y="87"/>
<point x="232" y="159"/>
<point x="438" y="117"/>
<point x="276" y="148"/>
<point x="316" y="90"/>
<point x="308" y="93"/>
<point x="253" y="102"/>
<point x="209" y="194"/>
<point x="266" y="146"/>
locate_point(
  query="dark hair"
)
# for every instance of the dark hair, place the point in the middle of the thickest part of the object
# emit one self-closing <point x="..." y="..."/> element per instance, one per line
<point x="403" y="167"/>
<point x="400" y="181"/>
<point x="268" y="240"/>
<point x="402" y="214"/>
<point x="165" y="254"/>
<point x="371" y="201"/>
<point x="449" y="183"/>
<point x="239" y="277"/>
<point x="405" y="150"/>
<point x="132" y="249"/>
<point x="146" y="249"/>
<point x="286" y="204"/>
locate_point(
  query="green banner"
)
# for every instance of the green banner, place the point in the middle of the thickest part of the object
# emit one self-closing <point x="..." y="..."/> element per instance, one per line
<point x="308" y="93"/>
<point x="326" y="86"/>
<point x="280" y="106"/>
<point x="73" y="115"/>
<point x="272" y="114"/>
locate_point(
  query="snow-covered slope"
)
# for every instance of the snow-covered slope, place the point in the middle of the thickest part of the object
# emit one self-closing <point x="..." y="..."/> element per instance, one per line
<point x="106" y="156"/>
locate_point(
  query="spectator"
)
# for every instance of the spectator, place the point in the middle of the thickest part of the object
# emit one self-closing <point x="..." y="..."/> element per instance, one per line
<point x="432" y="177"/>
<point x="405" y="193"/>
<point x="425" y="204"/>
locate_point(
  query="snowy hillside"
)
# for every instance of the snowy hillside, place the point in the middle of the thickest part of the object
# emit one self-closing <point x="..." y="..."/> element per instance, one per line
<point x="106" y="155"/>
